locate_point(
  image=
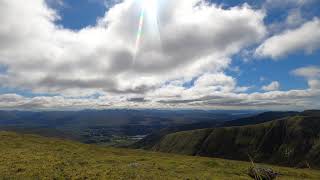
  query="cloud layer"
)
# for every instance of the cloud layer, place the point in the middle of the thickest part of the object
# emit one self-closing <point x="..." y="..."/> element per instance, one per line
<point x="182" y="60"/>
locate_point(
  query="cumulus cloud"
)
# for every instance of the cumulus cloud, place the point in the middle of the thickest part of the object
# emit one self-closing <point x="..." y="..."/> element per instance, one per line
<point x="311" y="73"/>
<point x="44" y="57"/>
<point x="181" y="61"/>
<point x="305" y="38"/>
<point x="273" y="86"/>
<point x="308" y="72"/>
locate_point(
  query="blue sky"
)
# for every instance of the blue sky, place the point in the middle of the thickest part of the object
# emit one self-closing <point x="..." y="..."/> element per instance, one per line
<point x="80" y="14"/>
<point x="254" y="67"/>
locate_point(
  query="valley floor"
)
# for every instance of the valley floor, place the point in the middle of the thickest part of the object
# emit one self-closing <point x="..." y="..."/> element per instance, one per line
<point x="35" y="157"/>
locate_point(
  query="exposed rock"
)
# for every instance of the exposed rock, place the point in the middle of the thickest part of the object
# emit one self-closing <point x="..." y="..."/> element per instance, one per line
<point x="134" y="165"/>
<point x="262" y="173"/>
<point x="303" y="165"/>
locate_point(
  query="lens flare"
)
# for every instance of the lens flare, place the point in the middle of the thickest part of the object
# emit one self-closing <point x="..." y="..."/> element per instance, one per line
<point x="148" y="16"/>
<point x="140" y="28"/>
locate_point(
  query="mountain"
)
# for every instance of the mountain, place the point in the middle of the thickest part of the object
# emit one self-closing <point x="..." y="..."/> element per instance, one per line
<point x="291" y="141"/>
<point x="34" y="157"/>
<point x="260" y="118"/>
<point x="153" y="138"/>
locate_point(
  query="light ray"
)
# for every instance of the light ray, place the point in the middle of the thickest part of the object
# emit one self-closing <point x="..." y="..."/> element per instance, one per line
<point x="148" y="27"/>
<point x="140" y="29"/>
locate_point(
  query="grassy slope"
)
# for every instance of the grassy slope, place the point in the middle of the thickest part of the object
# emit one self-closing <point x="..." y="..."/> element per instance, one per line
<point x="152" y="139"/>
<point x="34" y="157"/>
<point x="290" y="141"/>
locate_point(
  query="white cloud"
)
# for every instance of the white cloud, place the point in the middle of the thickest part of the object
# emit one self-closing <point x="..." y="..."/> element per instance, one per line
<point x="314" y="83"/>
<point x="305" y="38"/>
<point x="286" y="3"/>
<point x="215" y="81"/>
<point x="45" y="58"/>
<point x="180" y="98"/>
<point x="294" y="18"/>
<point x="273" y="86"/>
<point x="198" y="40"/>
<point x="311" y="73"/>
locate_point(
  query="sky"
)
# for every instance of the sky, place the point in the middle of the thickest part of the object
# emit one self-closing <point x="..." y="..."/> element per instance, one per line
<point x="161" y="54"/>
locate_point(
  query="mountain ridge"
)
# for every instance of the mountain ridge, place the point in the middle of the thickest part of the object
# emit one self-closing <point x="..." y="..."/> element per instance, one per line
<point x="154" y="137"/>
<point x="290" y="141"/>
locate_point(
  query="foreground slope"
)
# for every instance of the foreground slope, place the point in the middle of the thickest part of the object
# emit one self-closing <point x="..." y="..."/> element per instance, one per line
<point x="293" y="141"/>
<point x="34" y="157"/>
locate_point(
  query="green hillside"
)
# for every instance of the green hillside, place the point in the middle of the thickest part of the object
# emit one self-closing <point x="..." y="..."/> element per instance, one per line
<point x="293" y="141"/>
<point x="34" y="157"/>
<point x="152" y="139"/>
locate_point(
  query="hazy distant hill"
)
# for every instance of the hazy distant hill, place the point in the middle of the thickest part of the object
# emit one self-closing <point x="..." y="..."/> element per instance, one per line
<point x="34" y="157"/>
<point x="260" y="118"/>
<point x="108" y="127"/>
<point x="293" y="141"/>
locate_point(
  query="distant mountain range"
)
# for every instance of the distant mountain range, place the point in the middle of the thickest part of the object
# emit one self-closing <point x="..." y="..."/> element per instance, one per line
<point x="284" y="138"/>
<point x="260" y="118"/>
<point x="109" y="127"/>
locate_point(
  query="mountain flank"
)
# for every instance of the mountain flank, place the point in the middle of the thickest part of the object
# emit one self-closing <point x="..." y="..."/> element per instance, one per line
<point x="152" y="139"/>
<point x="290" y="141"/>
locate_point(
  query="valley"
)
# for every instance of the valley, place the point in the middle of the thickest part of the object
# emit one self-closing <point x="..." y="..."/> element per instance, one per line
<point x="117" y="127"/>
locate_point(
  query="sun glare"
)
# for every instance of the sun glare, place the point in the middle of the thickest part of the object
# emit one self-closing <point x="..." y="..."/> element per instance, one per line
<point x="148" y="17"/>
<point x="151" y="9"/>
